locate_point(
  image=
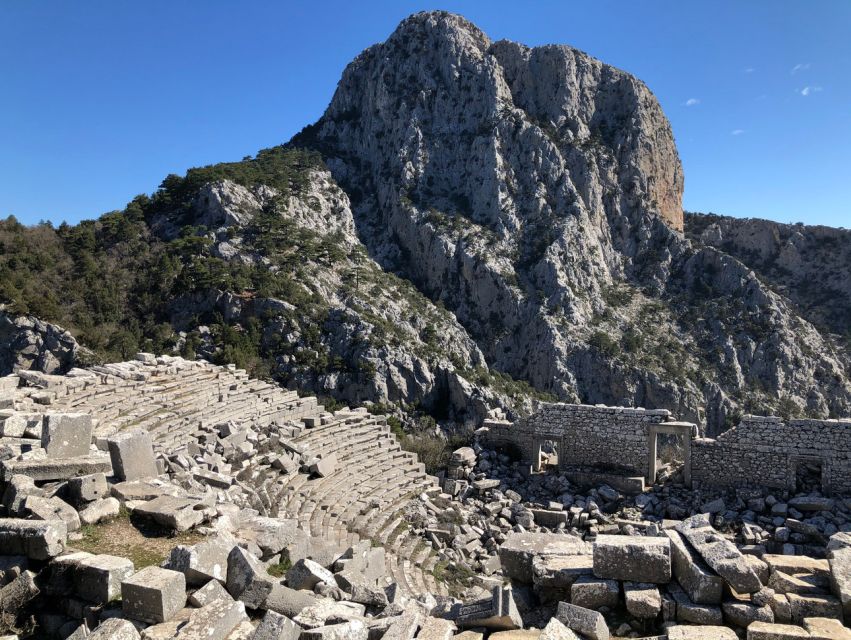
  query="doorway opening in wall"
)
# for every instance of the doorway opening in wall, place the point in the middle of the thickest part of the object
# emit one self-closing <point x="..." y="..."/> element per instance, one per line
<point x="670" y="456"/>
<point x="808" y="475"/>
<point x="548" y="455"/>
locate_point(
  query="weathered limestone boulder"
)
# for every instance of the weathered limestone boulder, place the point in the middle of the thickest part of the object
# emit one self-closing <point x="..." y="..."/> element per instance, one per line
<point x="840" y="578"/>
<point x="742" y="614"/>
<point x="720" y="554"/>
<point x="773" y="631"/>
<point x="692" y="573"/>
<point x="556" y="630"/>
<point x="99" y="578"/>
<point x="691" y="612"/>
<point x="204" y="561"/>
<point x="16" y="593"/>
<point x="41" y="469"/>
<point x="153" y="594"/>
<point x="210" y="592"/>
<point x="351" y="630"/>
<point x="115" y="629"/>
<point x="682" y="632"/>
<point x="275" y="626"/>
<point x="633" y="558"/>
<point x="826" y="629"/>
<point x="247" y="579"/>
<point x="519" y="550"/>
<point x="100" y="510"/>
<point x="594" y="593"/>
<point x="88" y="488"/>
<point x="403" y="627"/>
<point x="436" y="629"/>
<point x="559" y="571"/>
<point x="497" y="612"/>
<point x="214" y="621"/>
<point x="18" y="488"/>
<point x="306" y="574"/>
<point x="324" y="466"/>
<point x="53" y="509"/>
<point x="132" y="455"/>
<point x="180" y="514"/>
<point x="288" y="602"/>
<point x="273" y="535"/>
<point x="643" y="600"/>
<point x="583" y="621"/>
<point x="36" y="539"/>
<point x="66" y="435"/>
<point x="813" y="606"/>
<point x="325" y="610"/>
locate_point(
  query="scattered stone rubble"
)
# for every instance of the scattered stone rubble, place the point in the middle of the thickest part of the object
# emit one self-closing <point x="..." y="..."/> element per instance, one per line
<point x="316" y="525"/>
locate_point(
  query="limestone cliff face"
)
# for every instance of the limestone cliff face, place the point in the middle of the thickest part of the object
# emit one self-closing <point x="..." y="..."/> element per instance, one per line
<point x="536" y="193"/>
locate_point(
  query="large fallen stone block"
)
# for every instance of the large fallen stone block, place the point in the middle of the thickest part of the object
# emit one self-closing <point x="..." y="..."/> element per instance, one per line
<point x="211" y="591"/>
<point x="204" y="561"/>
<point x="774" y="631"/>
<point x="697" y="579"/>
<point x="556" y="630"/>
<point x="633" y="558"/>
<point x="98" y="578"/>
<point x="214" y="621"/>
<point x="66" y="435"/>
<point x="403" y="627"/>
<point x="15" y="595"/>
<point x="153" y="594"/>
<point x="642" y="599"/>
<point x="36" y="539"/>
<point x="288" y="602"/>
<point x="324" y="466"/>
<point x="114" y="629"/>
<point x="840" y="578"/>
<point x="326" y="611"/>
<point x="497" y="612"/>
<point x="813" y="606"/>
<point x="87" y="488"/>
<point x="247" y="579"/>
<point x="306" y="574"/>
<point x="351" y="630"/>
<point x="100" y="510"/>
<point x="132" y="455"/>
<point x="589" y="592"/>
<point x="274" y="535"/>
<point x="519" y="550"/>
<point x="57" y="469"/>
<point x="691" y="612"/>
<point x="275" y="626"/>
<point x="742" y="614"/>
<point x="682" y="632"/>
<point x="720" y="554"/>
<point x="179" y="514"/>
<point x="826" y="629"/>
<point x="796" y="565"/>
<point x="53" y="509"/>
<point x="436" y="629"/>
<point x="18" y="489"/>
<point x="583" y="621"/>
<point x="560" y="572"/>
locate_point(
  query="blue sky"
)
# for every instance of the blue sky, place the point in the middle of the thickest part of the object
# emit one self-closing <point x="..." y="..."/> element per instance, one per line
<point x="99" y="100"/>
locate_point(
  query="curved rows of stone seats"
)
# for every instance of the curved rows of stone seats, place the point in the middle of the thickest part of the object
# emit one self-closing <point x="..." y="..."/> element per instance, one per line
<point x="178" y="401"/>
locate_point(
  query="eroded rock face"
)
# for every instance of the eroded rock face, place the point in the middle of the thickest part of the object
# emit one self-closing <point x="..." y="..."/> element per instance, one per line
<point x="29" y="343"/>
<point x="519" y="187"/>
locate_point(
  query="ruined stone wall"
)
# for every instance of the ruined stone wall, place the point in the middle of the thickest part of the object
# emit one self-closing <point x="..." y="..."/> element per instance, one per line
<point x="613" y="438"/>
<point x="766" y="451"/>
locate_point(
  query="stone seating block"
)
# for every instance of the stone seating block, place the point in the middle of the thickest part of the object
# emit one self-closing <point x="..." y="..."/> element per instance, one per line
<point x="66" y="435"/>
<point x="132" y="455"/>
<point x="633" y="558"/>
<point x="153" y="594"/>
<point x="98" y="578"/>
<point x="36" y="539"/>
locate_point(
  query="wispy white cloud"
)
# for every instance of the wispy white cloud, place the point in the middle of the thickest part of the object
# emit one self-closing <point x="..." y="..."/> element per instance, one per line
<point x="801" y="66"/>
<point x="748" y="70"/>
<point x="808" y="90"/>
<point x="691" y="102"/>
<point x="737" y="132"/>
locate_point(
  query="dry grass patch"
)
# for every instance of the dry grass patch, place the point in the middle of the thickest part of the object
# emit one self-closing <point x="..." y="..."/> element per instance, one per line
<point x="139" y="541"/>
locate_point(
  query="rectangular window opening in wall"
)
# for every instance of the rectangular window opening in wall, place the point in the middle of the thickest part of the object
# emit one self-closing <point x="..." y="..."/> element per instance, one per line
<point x="809" y="475"/>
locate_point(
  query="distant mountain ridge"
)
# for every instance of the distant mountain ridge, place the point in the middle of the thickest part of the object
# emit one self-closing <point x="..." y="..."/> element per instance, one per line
<point x="470" y="224"/>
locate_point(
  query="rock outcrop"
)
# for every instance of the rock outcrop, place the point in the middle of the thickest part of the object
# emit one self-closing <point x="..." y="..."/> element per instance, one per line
<point x="536" y="193"/>
<point x="29" y="343"/>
